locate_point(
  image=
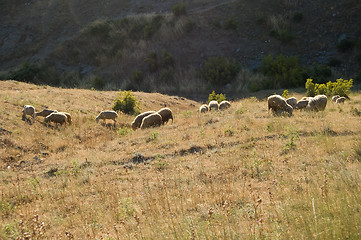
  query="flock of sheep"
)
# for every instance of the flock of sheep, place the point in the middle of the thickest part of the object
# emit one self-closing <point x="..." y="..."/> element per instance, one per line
<point x="143" y="120"/>
<point x="152" y="118"/>
<point x="318" y="103"/>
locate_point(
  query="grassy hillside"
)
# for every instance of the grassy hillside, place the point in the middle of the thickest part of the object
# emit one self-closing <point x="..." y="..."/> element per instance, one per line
<point x="238" y="174"/>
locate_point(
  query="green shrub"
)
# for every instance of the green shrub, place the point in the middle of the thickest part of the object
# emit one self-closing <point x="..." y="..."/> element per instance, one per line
<point x="126" y="102"/>
<point x="151" y="28"/>
<point x="340" y="87"/>
<point x="152" y="61"/>
<point x="321" y="73"/>
<point x="98" y="83"/>
<point x="26" y="73"/>
<point x="219" y="70"/>
<point x="179" y="9"/>
<point x="167" y="59"/>
<point x="345" y="45"/>
<point x="334" y="62"/>
<point x="297" y="17"/>
<point x="283" y="35"/>
<point x="216" y="97"/>
<point x="189" y="25"/>
<point x="285" y="94"/>
<point x="285" y="72"/>
<point x="100" y="29"/>
<point x="166" y="75"/>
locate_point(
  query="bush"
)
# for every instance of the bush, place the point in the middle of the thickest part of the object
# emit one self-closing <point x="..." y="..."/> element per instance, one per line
<point x="283" y="35"/>
<point x="334" y="62"/>
<point x="345" y="45"/>
<point x="340" y="87"/>
<point x="189" y="25"/>
<point x="321" y="73"/>
<point x="285" y="94"/>
<point x="126" y="102"/>
<point x="179" y="9"/>
<point x="152" y="61"/>
<point x="167" y="59"/>
<point x="219" y="70"/>
<point x="285" y="72"/>
<point x="230" y="24"/>
<point x="98" y="83"/>
<point x="137" y="77"/>
<point x="26" y="73"/>
<point x="297" y="17"/>
<point x="216" y="97"/>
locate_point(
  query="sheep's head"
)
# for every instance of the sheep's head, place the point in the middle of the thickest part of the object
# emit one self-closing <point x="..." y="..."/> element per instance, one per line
<point x="97" y="119"/>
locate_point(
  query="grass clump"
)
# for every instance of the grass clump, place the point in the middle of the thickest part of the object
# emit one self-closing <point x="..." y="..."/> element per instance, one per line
<point x="126" y="102"/>
<point x="179" y="9"/>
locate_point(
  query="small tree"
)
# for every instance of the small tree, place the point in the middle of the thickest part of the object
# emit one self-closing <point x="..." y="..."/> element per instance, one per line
<point x="126" y="102"/>
<point x="216" y="97"/>
<point x="98" y="83"/>
<point x="310" y="88"/>
<point x="219" y="70"/>
<point x="285" y="94"/>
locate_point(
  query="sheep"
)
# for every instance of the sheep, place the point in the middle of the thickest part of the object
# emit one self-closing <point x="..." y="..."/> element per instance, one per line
<point x="28" y="110"/>
<point x="107" y="115"/>
<point x="203" y="108"/>
<point x="56" y="117"/>
<point x="306" y="98"/>
<point x="317" y="103"/>
<point x="224" y="105"/>
<point x="45" y="113"/>
<point x="213" y="105"/>
<point x="152" y="120"/>
<point x="340" y="100"/>
<point x="334" y="98"/>
<point x="166" y="114"/>
<point x="292" y="101"/>
<point x="301" y="104"/>
<point x="138" y="119"/>
<point x="278" y="103"/>
<point x="68" y="117"/>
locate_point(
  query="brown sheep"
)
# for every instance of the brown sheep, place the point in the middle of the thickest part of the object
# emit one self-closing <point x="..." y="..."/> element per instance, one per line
<point x="138" y="119"/>
<point x="166" y="114"/>
<point x="278" y="103"/>
<point x="56" y="118"/>
<point x="152" y="120"/>
<point x="224" y="105"/>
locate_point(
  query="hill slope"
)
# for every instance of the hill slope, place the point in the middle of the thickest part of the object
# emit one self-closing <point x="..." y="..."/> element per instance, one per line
<point x="240" y="173"/>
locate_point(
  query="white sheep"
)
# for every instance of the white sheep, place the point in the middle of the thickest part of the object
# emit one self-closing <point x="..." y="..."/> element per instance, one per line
<point x="107" y="115"/>
<point x="291" y="101"/>
<point x="166" y="114"/>
<point x="334" y="98"/>
<point x="302" y="104"/>
<point x="28" y="110"/>
<point x="224" y="105"/>
<point x="340" y="100"/>
<point x="152" y="120"/>
<point x="138" y="119"/>
<point x="317" y="103"/>
<point x="278" y="103"/>
<point x="56" y="118"/>
<point x="203" y="108"/>
<point x="213" y="105"/>
<point x="45" y="113"/>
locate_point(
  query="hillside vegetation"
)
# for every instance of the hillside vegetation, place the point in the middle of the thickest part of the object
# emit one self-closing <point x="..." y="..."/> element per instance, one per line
<point x="164" y="46"/>
<point x="237" y="174"/>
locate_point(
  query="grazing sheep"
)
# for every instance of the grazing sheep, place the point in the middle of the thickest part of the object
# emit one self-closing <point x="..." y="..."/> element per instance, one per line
<point x="203" y="108"/>
<point x="302" y="104"/>
<point x="213" y="105"/>
<point x="166" y="114"/>
<point x="340" y="100"/>
<point x="306" y="98"/>
<point x="107" y="115"/>
<point x="334" y="98"/>
<point x="317" y="103"/>
<point x="278" y="103"/>
<point x="28" y="110"/>
<point x="152" y="120"/>
<point x="292" y="101"/>
<point x="68" y="117"/>
<point x="56" y="118"/>
<point x="138" y="119"/>
<point x="224" y="105"/>
<point x="45" y="113"/>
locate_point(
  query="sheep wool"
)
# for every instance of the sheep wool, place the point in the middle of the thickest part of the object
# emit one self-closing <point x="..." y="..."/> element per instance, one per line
<point x="139" y="118"/>
<point x="29" y="110"/>
<point x="45" y="113"/>
<point x="166" y="114"/>
<point x="153" y="120"/>
<point x="68" y="117"/>
<point x="224" y="105"/>
<point x="302" y="104"/>
<point x="340" y="100"/>
<point x="203" y="108"/>
<point x="107" y="115"/>
<point x="317" y="103"/>
<point x="278" y="103"/>
<point x="292" y="101"/>
<point x="213" y="105"/>
<point x="334" y="98"/>
<point x="56" y="118"/>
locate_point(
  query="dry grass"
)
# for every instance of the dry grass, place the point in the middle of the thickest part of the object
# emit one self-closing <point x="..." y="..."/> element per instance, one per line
<point x="242" y="173"/>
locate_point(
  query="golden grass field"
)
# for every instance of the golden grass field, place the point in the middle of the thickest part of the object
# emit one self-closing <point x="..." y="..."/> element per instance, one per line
<point x="238" y="174"/>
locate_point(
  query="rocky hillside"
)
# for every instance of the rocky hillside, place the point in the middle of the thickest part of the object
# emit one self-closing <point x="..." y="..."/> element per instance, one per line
<point x="118" y="41"/>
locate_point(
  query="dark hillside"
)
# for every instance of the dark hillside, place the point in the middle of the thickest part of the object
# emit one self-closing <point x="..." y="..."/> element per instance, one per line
<point x="142" y="45"/>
